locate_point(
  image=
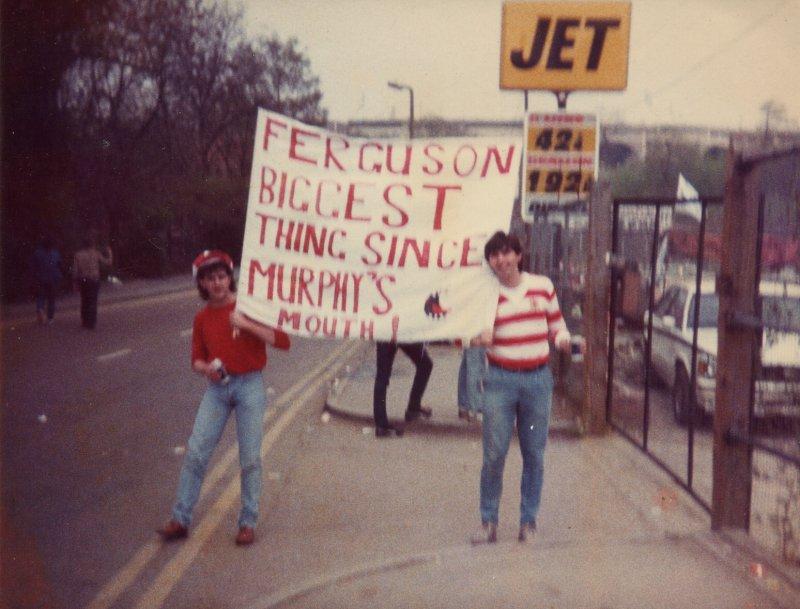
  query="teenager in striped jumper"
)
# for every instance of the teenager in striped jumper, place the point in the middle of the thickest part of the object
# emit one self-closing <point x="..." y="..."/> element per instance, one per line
<point x="518" y="384"/>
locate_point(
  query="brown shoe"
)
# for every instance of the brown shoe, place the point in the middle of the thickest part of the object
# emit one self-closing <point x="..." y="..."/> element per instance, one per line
<point x="527" y="532"/>
<point x="172" y="531"/>
<point x="245" y="536"/>
<point x="486" y="533"/>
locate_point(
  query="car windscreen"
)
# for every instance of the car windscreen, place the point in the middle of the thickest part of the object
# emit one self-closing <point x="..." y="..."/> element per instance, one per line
<point x="709" y="311"/>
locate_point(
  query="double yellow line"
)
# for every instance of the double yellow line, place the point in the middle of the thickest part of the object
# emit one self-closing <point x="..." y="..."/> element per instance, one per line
<point x="155" y="595"/>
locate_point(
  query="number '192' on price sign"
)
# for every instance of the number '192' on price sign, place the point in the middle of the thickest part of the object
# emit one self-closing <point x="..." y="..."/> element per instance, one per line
<point x="561" y="159"/>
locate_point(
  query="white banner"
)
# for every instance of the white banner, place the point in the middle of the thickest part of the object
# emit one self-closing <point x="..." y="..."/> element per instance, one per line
<point x="373" y="239"/>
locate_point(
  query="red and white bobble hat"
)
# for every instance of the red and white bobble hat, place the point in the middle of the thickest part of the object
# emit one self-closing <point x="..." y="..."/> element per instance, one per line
<point x="208" y="257"/>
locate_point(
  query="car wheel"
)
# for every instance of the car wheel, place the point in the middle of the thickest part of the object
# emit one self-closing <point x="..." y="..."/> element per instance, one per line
<point x="681" y="396"/>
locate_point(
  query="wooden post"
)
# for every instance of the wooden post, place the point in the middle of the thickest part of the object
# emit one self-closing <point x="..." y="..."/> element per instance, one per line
<point x="596" y="310"/>
<point x="737" y="348"/>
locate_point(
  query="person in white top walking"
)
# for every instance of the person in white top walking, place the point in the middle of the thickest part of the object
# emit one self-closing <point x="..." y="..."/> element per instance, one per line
<point x="86" y="274"/>
<point x="518" y="384"/>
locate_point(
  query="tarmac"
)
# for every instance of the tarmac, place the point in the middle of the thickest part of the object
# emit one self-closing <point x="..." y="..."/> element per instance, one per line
<point x="110" y="292"/>
<point x="367" y="522"/>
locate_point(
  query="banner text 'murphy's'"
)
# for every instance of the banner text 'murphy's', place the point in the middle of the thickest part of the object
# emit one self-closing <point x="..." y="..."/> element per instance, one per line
<point x="336" y="290"/>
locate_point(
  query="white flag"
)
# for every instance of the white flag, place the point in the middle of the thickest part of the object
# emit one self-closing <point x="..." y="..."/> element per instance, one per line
<point x="687" y="192"/>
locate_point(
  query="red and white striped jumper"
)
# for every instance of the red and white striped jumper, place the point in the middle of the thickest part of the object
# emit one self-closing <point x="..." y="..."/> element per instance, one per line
<point x="528" y="317"/>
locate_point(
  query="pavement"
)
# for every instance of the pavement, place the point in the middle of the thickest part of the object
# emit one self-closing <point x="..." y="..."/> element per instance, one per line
<point x="614" y="530"/>
<point x="366" y="522"/>
<point x="352" y="400"/>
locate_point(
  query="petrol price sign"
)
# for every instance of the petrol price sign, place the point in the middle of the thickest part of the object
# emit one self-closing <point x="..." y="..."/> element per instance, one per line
<point x="560" y="159"/>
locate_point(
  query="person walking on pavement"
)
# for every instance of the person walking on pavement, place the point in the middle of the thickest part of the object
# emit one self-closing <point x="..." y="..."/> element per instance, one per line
<point x="229" y="349"/>
<point x="86" y="274"/>
<point x="385" y="352"/>
<point x="47" y="276"/>
<point x="518" y="384"/>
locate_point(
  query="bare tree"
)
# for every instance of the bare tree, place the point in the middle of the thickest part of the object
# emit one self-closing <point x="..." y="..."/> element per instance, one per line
<point x="201" y="77"/>
<point x="267" y="73"/>
<point x="182" y="70"/>
<point x="775" y="111"/>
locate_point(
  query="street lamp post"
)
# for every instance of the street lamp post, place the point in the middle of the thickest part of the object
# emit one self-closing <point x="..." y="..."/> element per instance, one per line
<point x="400" y="86"/>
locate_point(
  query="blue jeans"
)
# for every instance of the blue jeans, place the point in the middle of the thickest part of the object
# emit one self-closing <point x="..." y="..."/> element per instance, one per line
<point x="470" y="379"/>
<point x="244" y="396"/>
<point x="46" y="296"/>
<point x="526" y="397"/>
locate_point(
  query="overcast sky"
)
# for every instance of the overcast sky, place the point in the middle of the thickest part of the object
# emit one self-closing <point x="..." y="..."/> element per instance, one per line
<point x="698" y="62"/>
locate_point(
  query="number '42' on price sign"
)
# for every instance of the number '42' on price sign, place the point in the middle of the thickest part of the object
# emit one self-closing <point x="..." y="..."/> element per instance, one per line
<point x="564" y="139"/>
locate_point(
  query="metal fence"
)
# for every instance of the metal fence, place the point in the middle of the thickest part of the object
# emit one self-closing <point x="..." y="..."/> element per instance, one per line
<point x="558" y="238"/>
<point x="771" y="428"/>
<point x="557" y="249"/>
<point x="703" y="346"/>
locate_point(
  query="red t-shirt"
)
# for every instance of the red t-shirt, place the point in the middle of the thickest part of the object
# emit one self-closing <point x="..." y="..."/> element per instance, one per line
<point x="212" y="337"/>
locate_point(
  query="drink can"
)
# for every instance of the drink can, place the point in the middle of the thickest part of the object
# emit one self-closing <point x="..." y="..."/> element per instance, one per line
<point x="218" y="366"/>
<point x="576" y="348"/>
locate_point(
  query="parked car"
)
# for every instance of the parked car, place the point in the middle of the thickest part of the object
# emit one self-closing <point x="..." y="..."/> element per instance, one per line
<point x="778" y="383"/>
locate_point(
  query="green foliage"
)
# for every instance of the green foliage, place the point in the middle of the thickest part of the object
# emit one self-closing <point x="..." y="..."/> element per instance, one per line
<point x="176" y="217"/>
<point x="657" y="174"/>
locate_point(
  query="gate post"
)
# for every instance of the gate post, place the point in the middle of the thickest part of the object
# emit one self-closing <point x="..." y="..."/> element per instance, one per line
<point x="738" y="346"/>
<point x="596" y="310"/>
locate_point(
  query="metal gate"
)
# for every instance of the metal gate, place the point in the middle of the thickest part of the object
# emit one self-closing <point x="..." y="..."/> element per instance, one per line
<point x="665" y="254"/>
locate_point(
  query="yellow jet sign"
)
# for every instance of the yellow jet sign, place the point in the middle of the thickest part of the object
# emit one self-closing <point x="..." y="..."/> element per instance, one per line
<point x="565" y="46"/>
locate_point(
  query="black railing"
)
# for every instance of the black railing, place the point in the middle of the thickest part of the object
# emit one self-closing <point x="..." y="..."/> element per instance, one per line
<point x="752" y="441"/>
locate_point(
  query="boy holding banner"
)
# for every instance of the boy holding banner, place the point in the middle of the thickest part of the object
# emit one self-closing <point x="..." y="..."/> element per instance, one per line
<point x="229" y="350"/>
<point x="517" y="384"/>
